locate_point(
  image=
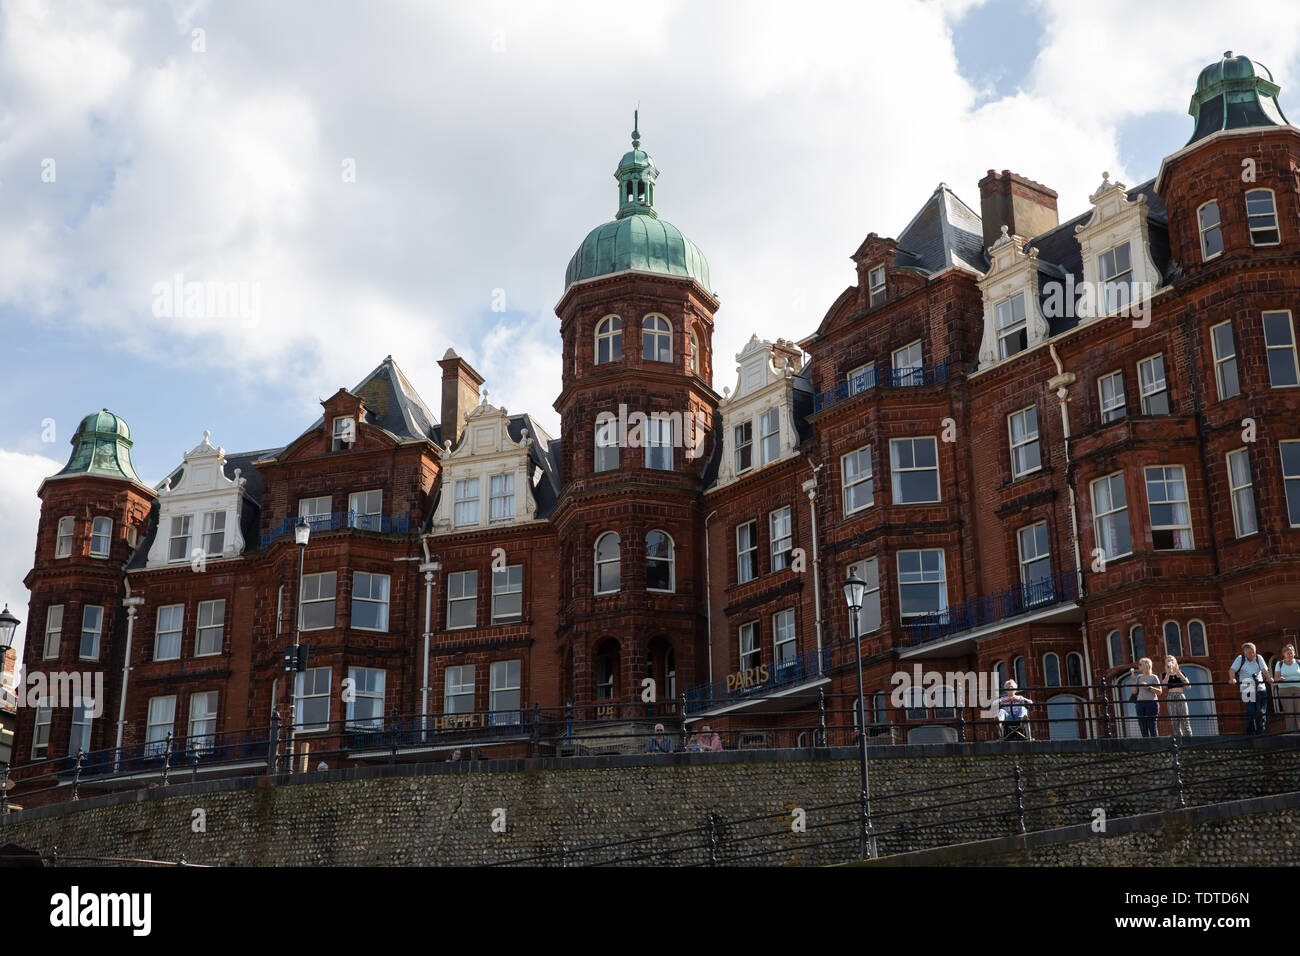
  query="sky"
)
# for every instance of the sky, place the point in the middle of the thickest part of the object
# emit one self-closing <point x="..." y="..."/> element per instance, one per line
<point x="389" y="178"/>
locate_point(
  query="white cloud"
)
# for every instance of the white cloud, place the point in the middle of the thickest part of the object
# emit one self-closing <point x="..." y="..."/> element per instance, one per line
<point x="20" y="510"/>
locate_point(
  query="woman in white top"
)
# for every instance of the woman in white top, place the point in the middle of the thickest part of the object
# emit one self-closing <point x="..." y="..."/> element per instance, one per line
<point x="1286" y="675"/>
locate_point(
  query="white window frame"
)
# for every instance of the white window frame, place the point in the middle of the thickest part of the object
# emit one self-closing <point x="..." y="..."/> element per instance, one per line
<point x="467" y="504"/>
<point x="908" y="369"/>
<point x="366" y="595"/>
<point x="462" y="592"/>
<point x="876" y="285"/>
<point x="923" y="577"/>
<point x="671" y="561"/>
<point x="368" y="684"/>
<point x="861" y="378"/>
<point x="851" y="481"/>
<point x="41" y="722"/>
<point x="1288" y="347"/>
<point x="1112" y="283"/>
<point x="1100" y="518"/>
<point x="1242" y="496"/>
<point x="784" y="638"/>
<point x="317" y="582"/>
<point x="310" y="508"/>
<point x="1276" y="227"/>
<point x="343" y="426"/>
<point x="781" y="557"/>
<point x="182" y="531"/>
<point x="175" y="631"/>
<point x="505" y="677"/>
<point x="1026" y="559"/>
<point x="1021" y="447"/>
<point x="1116" y="407"/>
<point x="1192" y="642"/>
<point x="1162" y="382"/>
<point x="1291" y="481"/>
<point x="63" y="534"/>
<point x="53" y="629"/>
<point x="501" y="488"/>
<point x="214" y="614"/>
<point x="82" y="724"/>
<point x="506" y="583"/>
<point x="100" y="532"/>
<point x="609" y="332"/>
<point x="1204" y="230"/>
<point x="896" y="471"/>
<point x="203" y="722"/>
<point x="1221" y="361"/>
<point x="1177" y="649"/>
<point x="601" y="563"/>
<point x="743" y="440"/>
<point x="660" y="332"/>
<point x="458" y="688"/>
<point x="605" y="442"/>
<point x="1167" y="476"/>
<point x="695" y="352"/>
<point x="659" y="442"/>
<point x="214" y="537"/>
<point x="747" y="558"/>
<point x="366" y="510"/>
<point x="301" y="697"/>
<point x="157" y="729"/>
<point x="1012" y="325"/>
<point x="770" y="435"/>
<point x="751" y="650"/>
<point x="97" y="631"/>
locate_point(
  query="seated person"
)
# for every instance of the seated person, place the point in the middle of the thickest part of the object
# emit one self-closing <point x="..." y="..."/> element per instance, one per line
<point x="660" y="743"/>
<point x="1013" y="710"/>
<point x="705" y="740"/>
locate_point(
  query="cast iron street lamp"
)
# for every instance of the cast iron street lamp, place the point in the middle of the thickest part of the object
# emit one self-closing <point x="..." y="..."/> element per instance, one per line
<point x="8" y="624"/>
<point x="301" y="532"/>
<point x="854" y="589"/>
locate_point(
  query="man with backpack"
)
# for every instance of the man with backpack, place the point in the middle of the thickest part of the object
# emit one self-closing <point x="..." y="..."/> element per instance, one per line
<point x="1252" y="671"/>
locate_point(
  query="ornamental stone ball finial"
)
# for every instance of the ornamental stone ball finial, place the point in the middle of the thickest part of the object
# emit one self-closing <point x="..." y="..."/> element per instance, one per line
<point x="206" y="435"/>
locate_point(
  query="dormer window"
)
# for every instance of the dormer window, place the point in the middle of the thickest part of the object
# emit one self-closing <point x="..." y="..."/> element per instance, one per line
<point x="179" y="545"/>
<point x="744" y="435"/>
<point x="1115" y="269"/>
<point x="1261" y="214"/>
<point x="214" y="533"/>
<point x="466" y="502"/>
<point x="1013" y="333"/>
<point x="345" y="433"/>
<point x="1211" y="230"/>
<point x="609" y="340"/>
<point x="656" y="339"/>
<point x="771" y="428"/>
<point x="876" y="285"/>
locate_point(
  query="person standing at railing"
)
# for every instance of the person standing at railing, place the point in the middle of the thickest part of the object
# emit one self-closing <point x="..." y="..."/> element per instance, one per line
<point x="1251" y="670"/>
<point x="705" y="741"/>
<point x="660" y="743"/>
<point x="1176" y="684"/>
<point x="1148" y="697"/>
<point x="1286" y="674"/>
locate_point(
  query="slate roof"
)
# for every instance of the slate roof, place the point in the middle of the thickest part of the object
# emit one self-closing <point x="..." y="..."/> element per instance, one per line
<point x="944" y="233"/>
<point x="391" y="403"/>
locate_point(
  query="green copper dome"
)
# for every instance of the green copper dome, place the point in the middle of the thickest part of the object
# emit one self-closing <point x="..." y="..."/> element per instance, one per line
<point x="102" y="447"/>
<point x="1234" y="93"/>
<point x="637" y="238"/>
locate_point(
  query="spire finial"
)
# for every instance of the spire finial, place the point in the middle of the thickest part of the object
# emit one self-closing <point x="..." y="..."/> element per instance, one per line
<point x="636" y="129"/>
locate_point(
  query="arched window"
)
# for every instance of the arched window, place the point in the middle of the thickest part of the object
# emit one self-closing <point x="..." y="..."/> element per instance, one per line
<point x="1261" y="214"/>
<point x="656" y="339"/>
<point x="881" y="707"/>
<point x="670" y="665"/>
<point x="1051" y="670"/>
<point x="606" y="669"/>
<point x="608" y="570"/>
<point x="1022" y="678"/>
<point x="1196" y="639"/>
<point x="945" y="702"/>
<point x="1115" y="647"/>
<point x="659" y="562"/>
<point x="1074" y="669"/>
<point x="695" y="353"/>
<point x="1137" y="643"/>
<point x="1000" y="668"/>
<point x="1173" y="639"/>
<point x="609" y="340"/>
<point x="1064" y="717"/>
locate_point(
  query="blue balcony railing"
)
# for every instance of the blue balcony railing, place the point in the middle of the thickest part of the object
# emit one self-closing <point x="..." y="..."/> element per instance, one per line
<point x="989" y="609"/>
<point x="759" y="680"/>
<point x="386" y="524"/>
<point x="884" y="376"/>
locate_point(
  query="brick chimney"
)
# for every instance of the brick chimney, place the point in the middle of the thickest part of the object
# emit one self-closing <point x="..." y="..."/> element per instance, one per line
<point x="1025" y="207"/>
<point x="460" y="385"/>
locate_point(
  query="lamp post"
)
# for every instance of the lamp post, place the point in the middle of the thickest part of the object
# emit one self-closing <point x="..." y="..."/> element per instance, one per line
<point x="854" y="589"/>
<point x="301" y="533"/>
<point x="8" y="624"/>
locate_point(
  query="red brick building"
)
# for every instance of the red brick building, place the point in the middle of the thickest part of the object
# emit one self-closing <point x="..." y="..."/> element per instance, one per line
<point x="1049" y="448"/>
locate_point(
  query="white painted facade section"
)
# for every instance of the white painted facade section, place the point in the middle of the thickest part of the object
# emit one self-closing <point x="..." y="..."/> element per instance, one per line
<point x="764" y="382"/>
<point x="486" y="450"/>
<point x="203" y="489"/>
<point x="1012" y="270"/>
